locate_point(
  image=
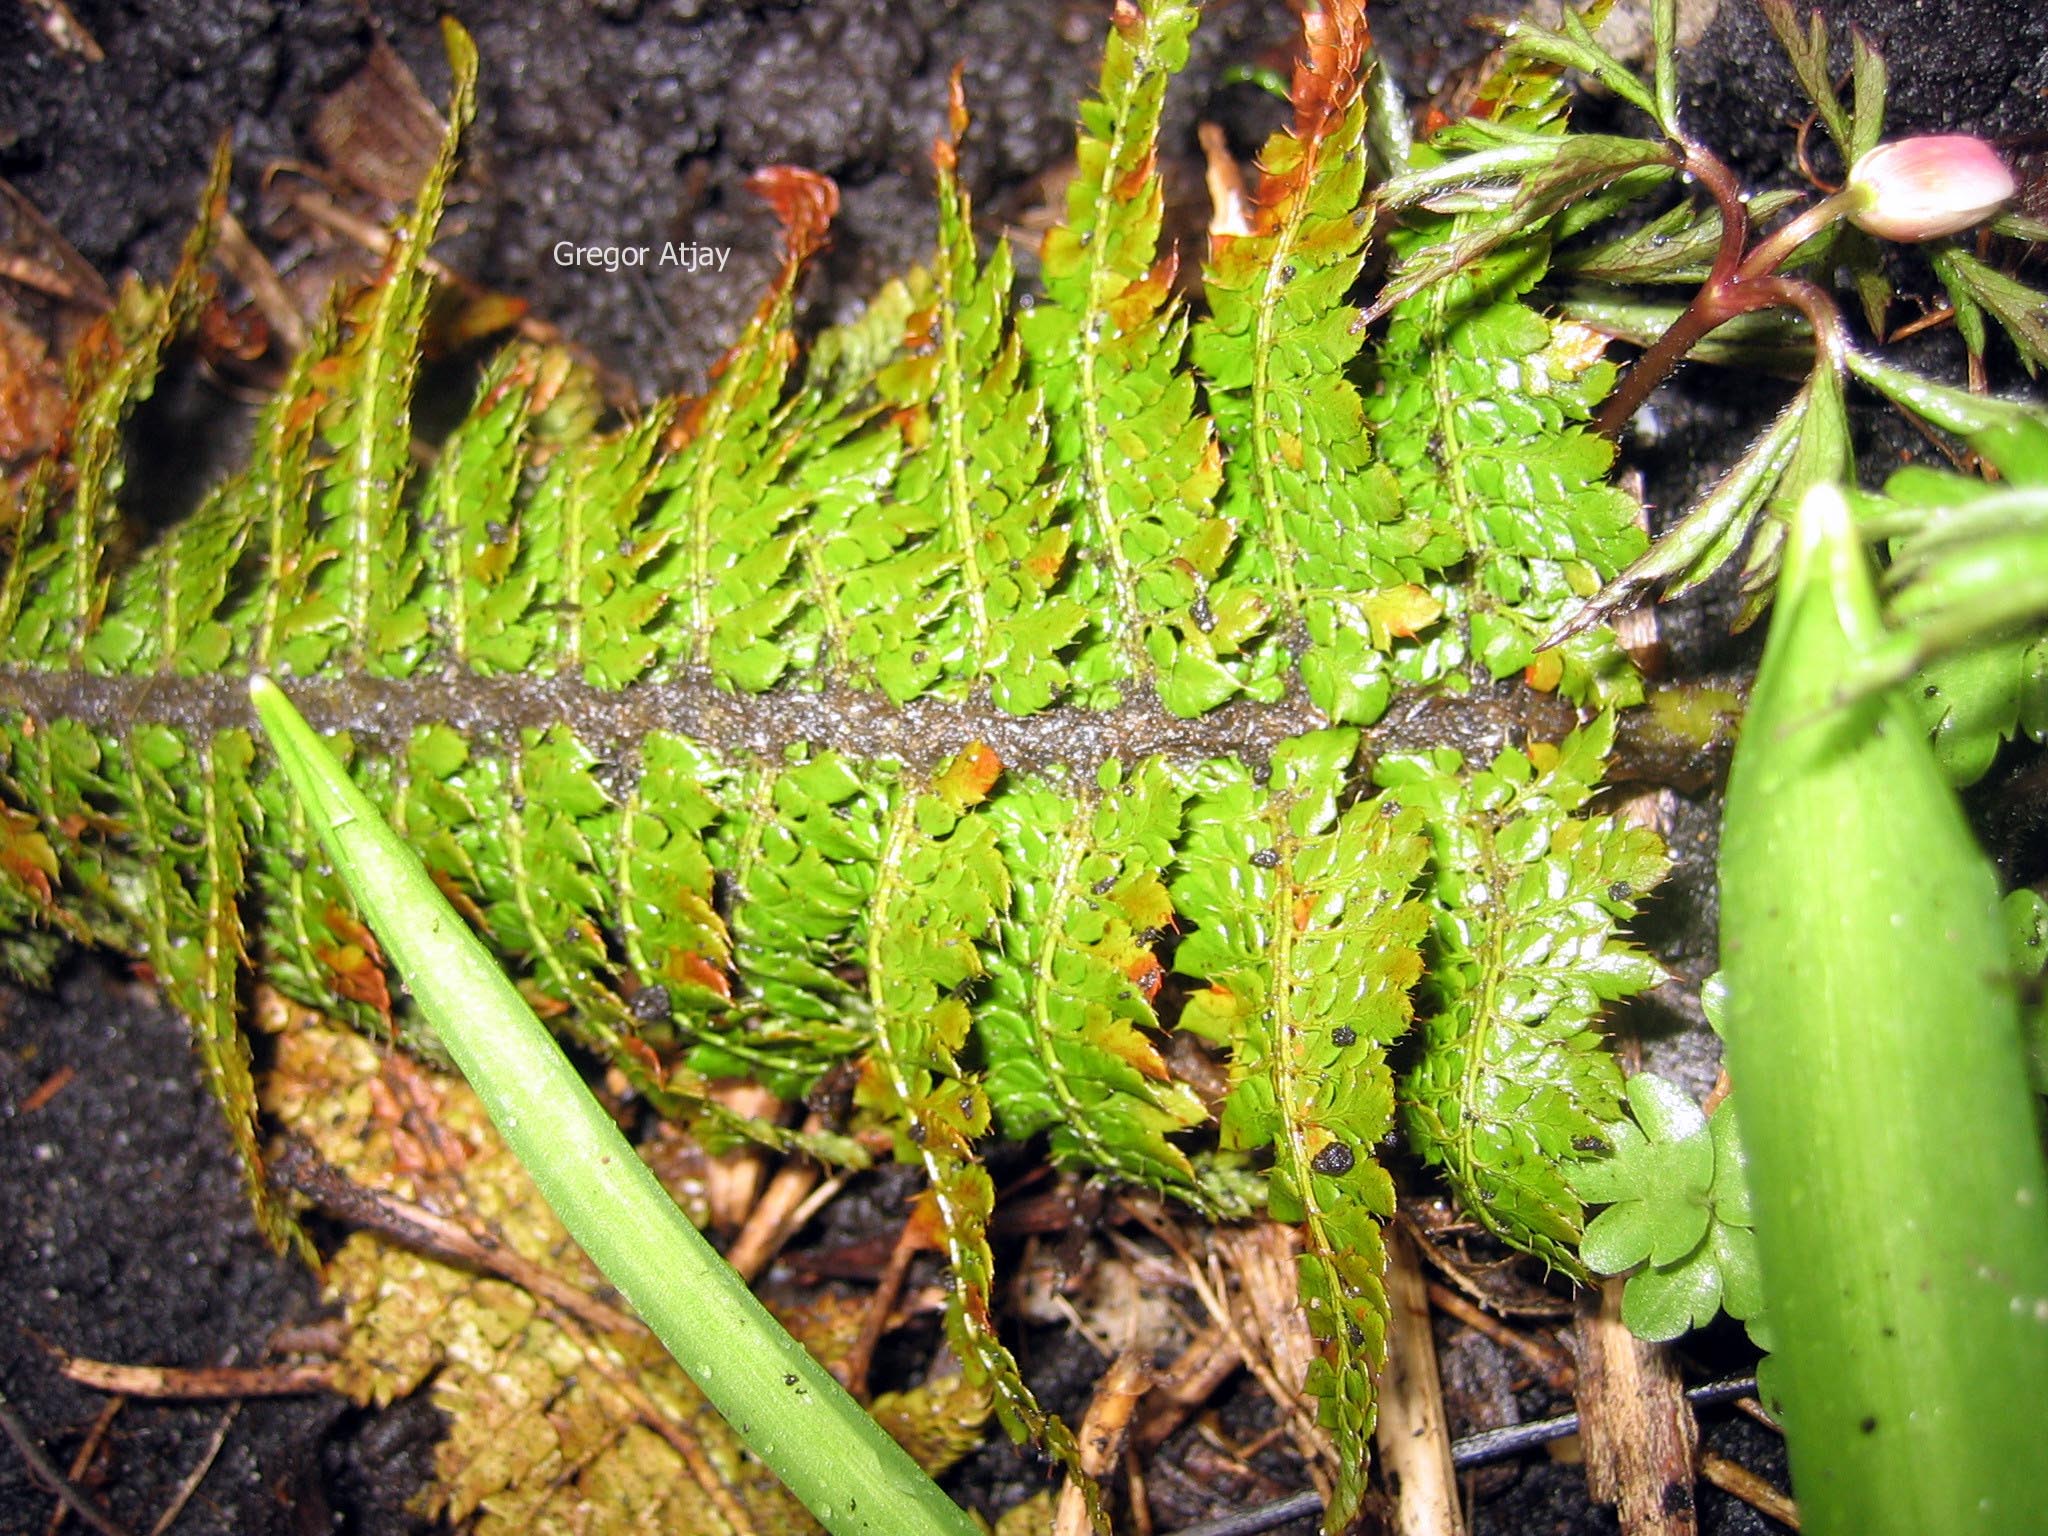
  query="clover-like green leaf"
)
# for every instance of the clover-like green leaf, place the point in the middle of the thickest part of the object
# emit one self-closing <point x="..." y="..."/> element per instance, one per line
<point x="1678" y="1214"/>
<point x="1659" y="1179"/>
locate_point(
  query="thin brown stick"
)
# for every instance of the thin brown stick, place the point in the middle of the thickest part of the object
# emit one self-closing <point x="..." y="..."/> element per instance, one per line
<point x="1457" y="1275"/>
<point x="1552" y="1363"/>
<point x="733" y="1180"/>
<point x="854" y="1368"/>
<point x="1254" y="1266"/>
<point x="1136" y="1496"/>
<point x="1209" y="1360"/>
<point x="1750" y="1408"/>
<point x="1637" y="1427"/>
<point x="198" y="1473"/>
<point x="82" y="1462"/>
<point x="785" y="1205"/>
<point x="1103" y="1429"/>
<point x="238" y="253"/>
<point x="1413" y="1434"/>
<point x="48" y="1089"/>
<point x="60" y="24"/>
<point x="45" y="1472"/>
<point x="30" y="273"/>
<point x="298" y="1167"/>
<point x="1733" y="1477"/>
<point x="761" y="1237"/>
<point x="209" y="1383"/>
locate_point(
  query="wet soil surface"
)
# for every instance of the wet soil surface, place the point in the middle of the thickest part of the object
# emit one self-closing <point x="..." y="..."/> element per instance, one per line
<point x="123" y="1232"/>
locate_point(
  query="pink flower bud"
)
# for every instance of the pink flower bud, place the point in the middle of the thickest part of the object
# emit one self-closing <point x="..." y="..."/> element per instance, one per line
<point x="1916" y="189"/>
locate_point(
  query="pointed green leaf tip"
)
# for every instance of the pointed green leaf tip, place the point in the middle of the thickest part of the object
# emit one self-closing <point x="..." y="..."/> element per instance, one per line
<point x="788" y="1408"/>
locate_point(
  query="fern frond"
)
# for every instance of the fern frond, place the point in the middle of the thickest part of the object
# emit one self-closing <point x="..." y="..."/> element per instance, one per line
<point x="1108" y="345"/>
<point x="591" y="557"/>
<point x="467" y="512"/>
<point x="968" y="595"/>
<point x="718" y="494"/>
<point x="361" y="604"/>
<point x="1308" y="936"/>
<point x="537" y="642"/>
<point x="57" y="585"/>
<point x="1323" y="536"/>
<point x="1066" y="1023"/>
<point x="195" y="801"/>
<point x="315" y="948"/>
<point x="1481" y="404"/>
<point x="939" y="883"/>
<point x="1513" y="475"/>
<point x="1513" y="1081"/>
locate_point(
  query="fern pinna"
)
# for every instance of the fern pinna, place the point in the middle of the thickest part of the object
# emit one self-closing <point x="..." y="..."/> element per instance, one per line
<point x="966" y="706"/>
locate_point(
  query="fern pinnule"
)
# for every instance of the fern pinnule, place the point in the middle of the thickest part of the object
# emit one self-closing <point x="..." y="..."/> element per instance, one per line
<point x="971" y="599"/>
<point x="1307" y="935"/>
<point x="1512" y="1082"/>
<point x="1324" y="539"/>
<point x="1108" y="343"/>
<point x="1066" y="1026"/>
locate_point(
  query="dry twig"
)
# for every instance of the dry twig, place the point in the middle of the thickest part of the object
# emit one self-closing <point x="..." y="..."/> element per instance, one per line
<point x="198" y="1473"/>
<point x="1103" y="1429"/>
<point x="1639" y="1431"/>
<point x="1553" y="1364"/>
<point x="205" y="1383"/>
<point x="1413" y="1436"/>
<point x="1733" y="1477"/>
<point x="82" y="1462"/>
<point x="299" y="1168"/>
<point x="45" y="1472"/>
<point x="791" y="1199"/>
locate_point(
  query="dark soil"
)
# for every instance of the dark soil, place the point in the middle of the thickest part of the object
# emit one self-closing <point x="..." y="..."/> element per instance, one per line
<point x="123" y="1233"/>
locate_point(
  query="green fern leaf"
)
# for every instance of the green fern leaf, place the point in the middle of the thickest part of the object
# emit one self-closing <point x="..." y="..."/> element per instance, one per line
<point x="56" y="588"/>
<point x="939" y="883"/>
<point x="1481" y="404"/>
<point x="196" y="802"/>
<point x="970" y="595"/>
<point x="591" y="559"/>
<point x="720" y="491"/>
<point x="1308" y="938"/>
<point x="1107" y="343"/>
<point x="1065" y="1026"/>
<point x="534" y="644"/>
<point x="1515" y="476"/>
<point x="1324" y="538"/>
<point x="363" y="600"/>
<point x="1513" y="1081"/>
<point x="467" y="512"/>
<point x="316" y="950"/>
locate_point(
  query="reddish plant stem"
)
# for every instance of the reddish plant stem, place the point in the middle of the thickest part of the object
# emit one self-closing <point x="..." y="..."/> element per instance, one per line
<point x="1733" y="287"/>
